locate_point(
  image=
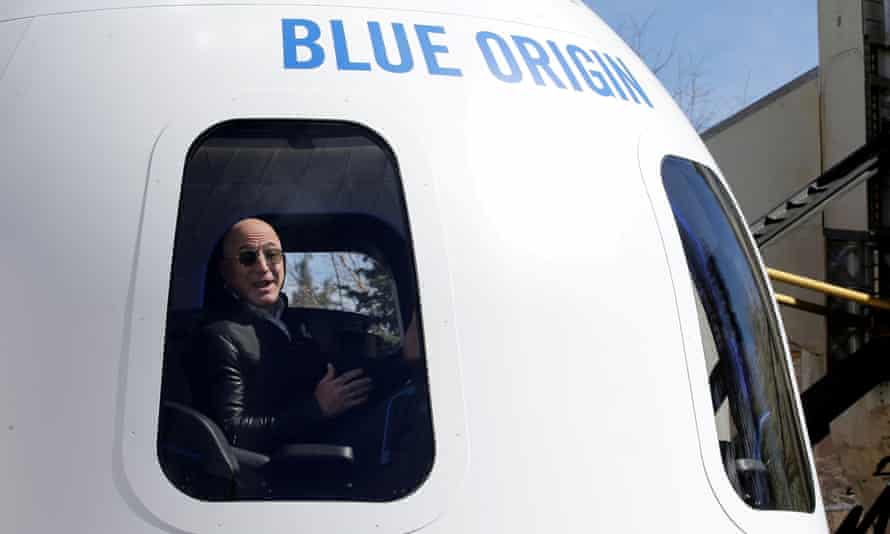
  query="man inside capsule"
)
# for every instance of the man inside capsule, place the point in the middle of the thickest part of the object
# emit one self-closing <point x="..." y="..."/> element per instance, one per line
<point x="259" y="378"/>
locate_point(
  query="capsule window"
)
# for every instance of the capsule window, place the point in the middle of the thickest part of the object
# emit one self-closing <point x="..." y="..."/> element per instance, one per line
<point x="758" y="431"/>
<point x="294" y="366"/>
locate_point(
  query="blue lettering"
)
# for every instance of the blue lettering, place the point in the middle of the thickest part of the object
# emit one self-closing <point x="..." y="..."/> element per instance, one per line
<point x="341" y="49"/>
<point x="609" y="74"/>
<point x="612" y="79"/>
<point x="515" y="75"/>
<point x="629" y="81"/>
<point x="594" y="79"/>
<point x="564" y="65"/>
<point x="430" y="50"/>
<point x="407" y="62"/>
<point x="290" y="43"/>
<point x="539" y="61"/>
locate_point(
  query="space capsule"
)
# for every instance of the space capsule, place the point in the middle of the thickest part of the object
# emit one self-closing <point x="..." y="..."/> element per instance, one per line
<point x="498" y="196"/>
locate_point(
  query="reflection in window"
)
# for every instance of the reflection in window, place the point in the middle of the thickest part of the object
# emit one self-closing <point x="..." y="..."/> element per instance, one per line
<point x="758" y="431"/>
<point x="348" y="282"/>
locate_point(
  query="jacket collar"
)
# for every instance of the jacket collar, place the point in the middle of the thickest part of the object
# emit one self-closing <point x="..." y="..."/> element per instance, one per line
<point x="238" y="307"/>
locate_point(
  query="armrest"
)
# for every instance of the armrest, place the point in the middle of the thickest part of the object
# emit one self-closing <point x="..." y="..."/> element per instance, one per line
<point x="250" y="458"/>
<point x="315" y="452"/>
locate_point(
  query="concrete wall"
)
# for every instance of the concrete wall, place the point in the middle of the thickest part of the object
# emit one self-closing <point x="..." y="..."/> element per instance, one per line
<point x="767" y="152"/>
<point x="842" y="75"/>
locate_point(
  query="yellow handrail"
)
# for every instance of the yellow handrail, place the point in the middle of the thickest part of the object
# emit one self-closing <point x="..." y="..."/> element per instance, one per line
<point x="792" y="302"/>
<point x="828" y="289"/>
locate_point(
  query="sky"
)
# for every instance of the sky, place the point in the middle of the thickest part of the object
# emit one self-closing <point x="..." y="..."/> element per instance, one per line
<point x="744" y="50"/>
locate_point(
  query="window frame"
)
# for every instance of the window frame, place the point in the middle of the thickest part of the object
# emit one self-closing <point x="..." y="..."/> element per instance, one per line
<point x="655" y="143"/>
<point x="137" y="468"/>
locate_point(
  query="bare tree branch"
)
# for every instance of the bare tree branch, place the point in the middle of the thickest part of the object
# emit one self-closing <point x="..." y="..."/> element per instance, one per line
<point x="689" y="87"/>
<point x="691" y="93"/>
<point x="634" y="33"/>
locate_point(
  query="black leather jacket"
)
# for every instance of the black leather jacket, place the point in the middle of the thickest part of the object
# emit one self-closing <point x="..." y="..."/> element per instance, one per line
<point x="255" y="376"/>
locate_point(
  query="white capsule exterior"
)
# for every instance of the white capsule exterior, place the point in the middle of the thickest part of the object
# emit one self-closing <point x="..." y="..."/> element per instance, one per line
<point x="568" y="387"/>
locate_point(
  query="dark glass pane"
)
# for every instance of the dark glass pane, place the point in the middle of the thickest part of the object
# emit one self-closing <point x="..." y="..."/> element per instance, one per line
<point x="245" y="412"/>
<point x="759" y="435"/>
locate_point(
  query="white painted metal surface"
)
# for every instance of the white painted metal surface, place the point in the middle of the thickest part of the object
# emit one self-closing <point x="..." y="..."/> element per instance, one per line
<point x="559" y="403"/>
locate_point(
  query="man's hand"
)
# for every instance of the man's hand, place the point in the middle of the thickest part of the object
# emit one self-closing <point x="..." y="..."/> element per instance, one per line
<point x="336" y="394"/>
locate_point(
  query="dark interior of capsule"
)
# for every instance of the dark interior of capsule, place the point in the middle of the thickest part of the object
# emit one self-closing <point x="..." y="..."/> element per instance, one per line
<point x="324" y="188"/>
<point x="199" y="459"/>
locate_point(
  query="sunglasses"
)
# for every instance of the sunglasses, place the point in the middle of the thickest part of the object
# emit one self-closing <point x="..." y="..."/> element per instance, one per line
<point x="248" y="258"/>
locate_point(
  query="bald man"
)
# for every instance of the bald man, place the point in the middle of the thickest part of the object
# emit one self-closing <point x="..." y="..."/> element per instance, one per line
<point x="262" y="382"/>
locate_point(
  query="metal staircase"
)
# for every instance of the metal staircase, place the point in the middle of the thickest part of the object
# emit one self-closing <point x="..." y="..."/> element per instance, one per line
<point x="855" y="169"/>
